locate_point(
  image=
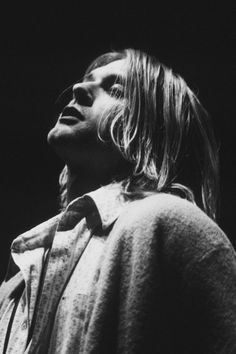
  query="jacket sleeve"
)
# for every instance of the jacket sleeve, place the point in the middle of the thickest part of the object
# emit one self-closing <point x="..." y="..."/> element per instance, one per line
<point x="199" y="280"/>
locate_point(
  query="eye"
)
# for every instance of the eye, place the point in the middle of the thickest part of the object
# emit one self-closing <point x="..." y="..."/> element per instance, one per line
<point x="116" y="90"/>
<point x="113" y="85"/>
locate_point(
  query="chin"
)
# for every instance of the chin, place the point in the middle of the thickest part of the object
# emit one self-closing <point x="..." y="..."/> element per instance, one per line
<point x="66" y="143"/>
<point x="59" y="135"/>
<point x="60" y="143"/>
<point x="53" y="133"/>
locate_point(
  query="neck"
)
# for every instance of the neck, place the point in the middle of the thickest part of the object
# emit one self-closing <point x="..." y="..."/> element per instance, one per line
<point x="79" y="184"/>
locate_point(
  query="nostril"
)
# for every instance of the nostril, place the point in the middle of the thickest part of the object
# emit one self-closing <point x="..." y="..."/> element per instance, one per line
<point x="82" y="96"/>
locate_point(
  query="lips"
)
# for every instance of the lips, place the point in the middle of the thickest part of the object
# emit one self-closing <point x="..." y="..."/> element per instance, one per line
<point x="70" y="115"/>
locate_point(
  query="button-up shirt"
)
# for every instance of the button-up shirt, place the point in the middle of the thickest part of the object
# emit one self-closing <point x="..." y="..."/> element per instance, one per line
<point x="59" y="261"/>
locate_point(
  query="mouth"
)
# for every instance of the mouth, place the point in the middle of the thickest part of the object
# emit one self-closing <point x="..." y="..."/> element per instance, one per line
<point x="70" y="115"/>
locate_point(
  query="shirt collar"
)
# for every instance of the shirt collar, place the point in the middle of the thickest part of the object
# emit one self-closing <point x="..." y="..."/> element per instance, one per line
<point x="100" y="207"/>
<point x="106" y="204"/>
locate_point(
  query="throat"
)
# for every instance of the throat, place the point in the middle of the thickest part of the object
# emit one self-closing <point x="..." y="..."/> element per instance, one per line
<point x="80" y="183"/>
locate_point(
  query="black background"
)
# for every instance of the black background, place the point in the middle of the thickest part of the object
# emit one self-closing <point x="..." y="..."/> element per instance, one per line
<point x="45" y="49"/>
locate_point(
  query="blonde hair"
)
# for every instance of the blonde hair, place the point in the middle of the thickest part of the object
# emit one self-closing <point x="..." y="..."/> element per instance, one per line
<point x="164" y="131"/>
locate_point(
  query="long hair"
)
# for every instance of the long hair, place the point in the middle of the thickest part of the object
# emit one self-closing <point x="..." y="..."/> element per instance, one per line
<point x="164" y="131"/>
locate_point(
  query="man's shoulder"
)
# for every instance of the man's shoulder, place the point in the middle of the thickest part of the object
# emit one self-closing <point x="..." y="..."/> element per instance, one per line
<point x="172" y="219"/>
<point x="164" y="208"/>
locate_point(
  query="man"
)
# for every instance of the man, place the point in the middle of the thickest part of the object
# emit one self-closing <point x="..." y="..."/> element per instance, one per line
<point x="131" y="264"/>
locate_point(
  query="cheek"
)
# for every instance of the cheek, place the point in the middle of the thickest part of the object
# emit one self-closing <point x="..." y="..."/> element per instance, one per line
<point x="107" y="111"/>
<point x="102" y="107"/>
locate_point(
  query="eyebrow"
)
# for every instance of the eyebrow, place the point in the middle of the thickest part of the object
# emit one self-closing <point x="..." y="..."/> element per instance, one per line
<point x="111" y="78"/>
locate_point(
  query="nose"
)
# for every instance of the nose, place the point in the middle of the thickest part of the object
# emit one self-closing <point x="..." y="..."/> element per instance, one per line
<point x="82" y="94"/>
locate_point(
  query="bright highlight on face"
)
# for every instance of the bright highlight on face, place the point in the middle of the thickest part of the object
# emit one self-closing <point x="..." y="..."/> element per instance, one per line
<point x="100" y="92"/>
<point x="79" y="136"/>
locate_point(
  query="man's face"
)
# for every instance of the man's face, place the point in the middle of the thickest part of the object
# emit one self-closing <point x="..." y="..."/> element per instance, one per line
<point x="75" y="135"/>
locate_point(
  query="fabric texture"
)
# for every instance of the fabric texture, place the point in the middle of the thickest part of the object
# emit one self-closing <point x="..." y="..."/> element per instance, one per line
<point x="162" y="279"/>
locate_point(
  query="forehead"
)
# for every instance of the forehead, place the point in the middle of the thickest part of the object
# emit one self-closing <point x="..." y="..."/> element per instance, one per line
<point x="117" y="68"/>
